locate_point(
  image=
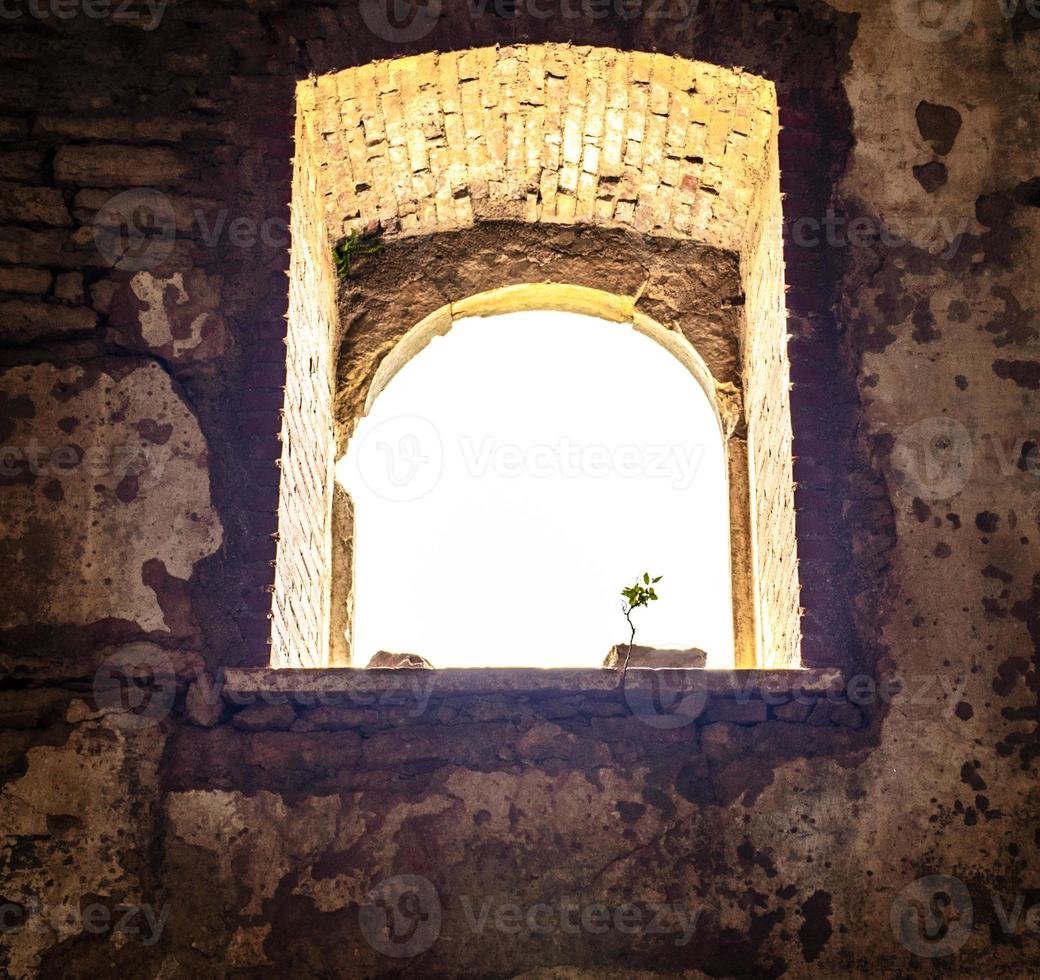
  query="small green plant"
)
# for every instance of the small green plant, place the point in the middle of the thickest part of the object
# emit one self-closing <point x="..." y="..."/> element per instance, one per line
<point x="355" y="246"/>
<point x="636" y="596"/>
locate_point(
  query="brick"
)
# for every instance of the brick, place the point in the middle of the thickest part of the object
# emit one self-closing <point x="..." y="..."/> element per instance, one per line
<point x="109" y="165"/>
<point x="738" y="712"/>
<point x="21" y="165"/>
<point x="21" y="245"/>
<point x="13" y="128"/>
<point x="151" y="130"/>
<point x="33" y="205"/>
<point x="22" y="279"/>
<point x="69" y="287"/>
<point x="22" y="320"/>
<point x="261" y="717"/>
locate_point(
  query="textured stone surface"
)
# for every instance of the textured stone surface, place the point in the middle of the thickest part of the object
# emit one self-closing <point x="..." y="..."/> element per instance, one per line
<point x="795" y="841"/>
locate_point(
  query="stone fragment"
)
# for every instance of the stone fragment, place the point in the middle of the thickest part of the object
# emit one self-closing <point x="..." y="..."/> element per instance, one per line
<point x="724" y="740"/>
<point x="21" y="165"/>
<point x="385" y="658"/>
<point x="69" y="287"/>
<point x="264" y="716"/>
<point x="22" y="246"/>
<point x="335" y="718"/>
<point x="847" y="715"/>
<point x="23" y="279"/>
<point x="654" y="658"/>
<point x="739" y="712"/>
<point x="33" y="205"/>
<point x="793" y="711"/>
<point x="203" y="703"/>
<point x="821" y="713"/>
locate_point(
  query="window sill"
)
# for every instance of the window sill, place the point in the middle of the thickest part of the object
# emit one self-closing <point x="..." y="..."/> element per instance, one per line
<point x="244" y="684"/>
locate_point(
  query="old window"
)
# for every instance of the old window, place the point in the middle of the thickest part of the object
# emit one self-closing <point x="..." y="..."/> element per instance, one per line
<point x="514" y="474"/>
<point x="633" y="187"/>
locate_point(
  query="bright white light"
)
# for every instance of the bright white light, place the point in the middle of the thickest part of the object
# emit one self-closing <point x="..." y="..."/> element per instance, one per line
<point x="515" y="475"/>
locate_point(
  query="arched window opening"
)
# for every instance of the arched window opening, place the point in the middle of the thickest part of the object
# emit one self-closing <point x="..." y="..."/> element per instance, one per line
<point x="514" y="475"/>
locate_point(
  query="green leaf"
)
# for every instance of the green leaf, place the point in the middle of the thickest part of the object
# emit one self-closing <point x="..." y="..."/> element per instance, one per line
<point x="646" y="577"/>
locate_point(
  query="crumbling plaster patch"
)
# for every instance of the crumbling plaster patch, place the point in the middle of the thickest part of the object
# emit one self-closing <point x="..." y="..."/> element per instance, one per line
<point x="77" y="823"/>
<point x="120" y="498"/>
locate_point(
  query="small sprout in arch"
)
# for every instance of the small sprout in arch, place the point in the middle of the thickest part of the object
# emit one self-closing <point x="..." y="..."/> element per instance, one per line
<point x="357" y="245"/>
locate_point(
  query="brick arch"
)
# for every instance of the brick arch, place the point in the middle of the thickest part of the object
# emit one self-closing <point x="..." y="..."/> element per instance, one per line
<point x="663" y="175"/>
<point x="656" y="143"/>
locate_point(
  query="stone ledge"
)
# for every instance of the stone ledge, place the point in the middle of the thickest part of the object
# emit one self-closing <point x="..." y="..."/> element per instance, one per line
<point x="259" y="681"/>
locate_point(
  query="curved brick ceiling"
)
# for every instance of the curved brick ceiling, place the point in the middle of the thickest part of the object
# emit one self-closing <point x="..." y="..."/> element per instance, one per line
<point x="551" y="133"/>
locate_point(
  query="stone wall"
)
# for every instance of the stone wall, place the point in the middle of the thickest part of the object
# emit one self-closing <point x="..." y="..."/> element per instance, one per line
<point x="266" y="845"/>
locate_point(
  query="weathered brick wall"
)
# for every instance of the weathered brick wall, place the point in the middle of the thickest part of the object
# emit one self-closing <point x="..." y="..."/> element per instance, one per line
<point x="767" y="408"/>
<point x="300" y="608"/>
